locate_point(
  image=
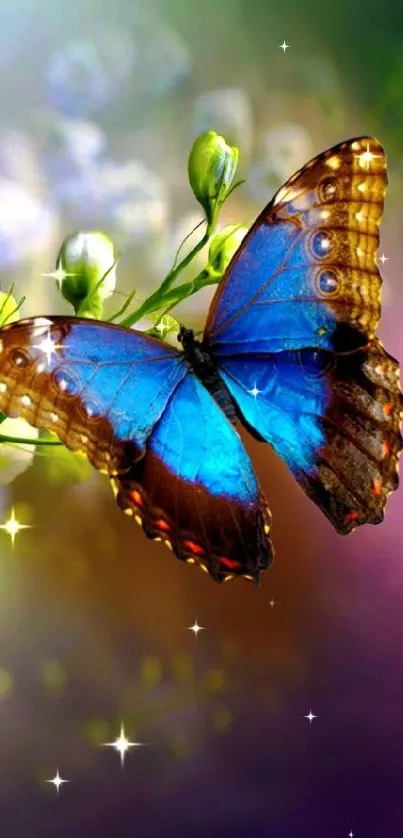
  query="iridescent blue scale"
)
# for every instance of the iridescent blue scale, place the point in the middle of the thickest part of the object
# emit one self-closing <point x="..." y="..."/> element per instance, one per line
<point x="289" y="349"/>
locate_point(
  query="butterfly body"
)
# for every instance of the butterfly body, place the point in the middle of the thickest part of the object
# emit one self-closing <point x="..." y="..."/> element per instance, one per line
<point x="202" y="364"/>
<point x="289" y="349"/>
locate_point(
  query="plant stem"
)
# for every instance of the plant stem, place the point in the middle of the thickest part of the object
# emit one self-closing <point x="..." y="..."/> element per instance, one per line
<point x="170" y="279"/>
<point x="176" y="295"/>
<point x="26" y="441"/>
<point x="157" y="300"/>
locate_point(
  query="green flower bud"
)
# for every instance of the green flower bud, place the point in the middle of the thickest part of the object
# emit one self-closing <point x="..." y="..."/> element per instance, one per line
<point x="223" y="247"/>
<point x="87" y="269"/>
<point x="164" y="326"/>
<point x="212" y="166"/>
<point x="9" y="309"/>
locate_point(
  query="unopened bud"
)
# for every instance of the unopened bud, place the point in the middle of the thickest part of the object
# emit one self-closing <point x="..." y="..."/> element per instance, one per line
<point x="224" y="245"/>
<point x="87" y="271"/>
<point x="212" y="166"/>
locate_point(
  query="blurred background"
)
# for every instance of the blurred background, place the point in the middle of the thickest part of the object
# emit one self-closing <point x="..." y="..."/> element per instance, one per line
<point x="99" y="104"/>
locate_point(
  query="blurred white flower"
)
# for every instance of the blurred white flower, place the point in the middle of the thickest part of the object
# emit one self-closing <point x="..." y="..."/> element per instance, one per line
<point x="75" y="141"/>
<point x="127" y="199"/>
<point x="227" y="111"/>
<point x="288" y="146"/>
<point x="144" y="205"/>
<point x="162" y="56"/>
<point x="15" y="457"/>
<point x="84" y="75"/>
<point x="29" y="222"/>
<point x="27" y="225"/>
<point x="19" y="161"/>
<point x="285" y="148"/>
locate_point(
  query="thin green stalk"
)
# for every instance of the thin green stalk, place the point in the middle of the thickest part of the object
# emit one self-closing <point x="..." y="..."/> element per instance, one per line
<point x="156" y="301"/>
<point x="176" y="295"/>
<point x="123" y="308"/>
<point x="184" y="242"/>
<point x="26" y="441"/>
<point x="170" y="279"/>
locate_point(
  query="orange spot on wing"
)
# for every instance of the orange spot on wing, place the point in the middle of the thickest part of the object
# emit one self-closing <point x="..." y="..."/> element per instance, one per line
<point x="377" y="487"/>
<point x="386" y="448"/>
<point x="136" y="497"/>
<point x="162" y="525"/>
<point x="352" y="516"/>
<point x="387" y="408"/>
<point x="230" y="563"/>
<point x="193" y="547"/>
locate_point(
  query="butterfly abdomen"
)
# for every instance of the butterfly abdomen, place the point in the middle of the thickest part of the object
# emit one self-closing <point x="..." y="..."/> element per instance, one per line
<point x="217" y="389"/>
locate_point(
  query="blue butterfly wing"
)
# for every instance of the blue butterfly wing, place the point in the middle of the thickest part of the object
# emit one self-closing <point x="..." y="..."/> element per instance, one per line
<point x="335" y="420"/>
<point x="292" y="331"/>
<point x="133" y="406"/>
<point x="100" y="388"/>
<point x="306" y="274"/>
<point x="196" y="489"/>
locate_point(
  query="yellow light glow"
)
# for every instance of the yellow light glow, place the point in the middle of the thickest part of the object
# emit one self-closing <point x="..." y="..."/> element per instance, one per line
<point x="12" y="526"/>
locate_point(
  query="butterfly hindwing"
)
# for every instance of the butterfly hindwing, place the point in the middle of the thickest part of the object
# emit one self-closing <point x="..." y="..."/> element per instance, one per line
<point x="196" y="489"/>
<point x="357" y="468"/>
<point x="306" y="274"/>
<point x="335" y="419"/>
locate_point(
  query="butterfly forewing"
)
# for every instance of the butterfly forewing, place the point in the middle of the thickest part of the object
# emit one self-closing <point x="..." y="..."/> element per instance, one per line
<point x="307" y="273"/>
<point x="100" y="388"/>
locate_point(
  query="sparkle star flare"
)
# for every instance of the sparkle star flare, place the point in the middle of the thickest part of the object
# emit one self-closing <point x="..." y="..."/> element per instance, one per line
<point x="366" y="157"/>
<point x="122" y="744"/>
<point x="48" y="347"/>
<point x="160" y="327"/>
<point x="57" y="781"/>
<point x="383" y="258"/>
<point x="284" y="46"/>
<point x="59" y="274"/>
<point x="254" y="392"/>
<point x="12" y="526"/>
<point x="351" y="834"/>
<point x="196" y="628"/>
<point x="311" y="717"/>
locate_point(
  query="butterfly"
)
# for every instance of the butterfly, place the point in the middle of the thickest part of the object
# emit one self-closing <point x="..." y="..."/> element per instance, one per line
<point x="289" y="350"/>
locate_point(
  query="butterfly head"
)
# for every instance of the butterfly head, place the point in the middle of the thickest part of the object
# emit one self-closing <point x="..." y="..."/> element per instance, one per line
<point x="196" y="355"/>
<point x="186" y="337"/>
